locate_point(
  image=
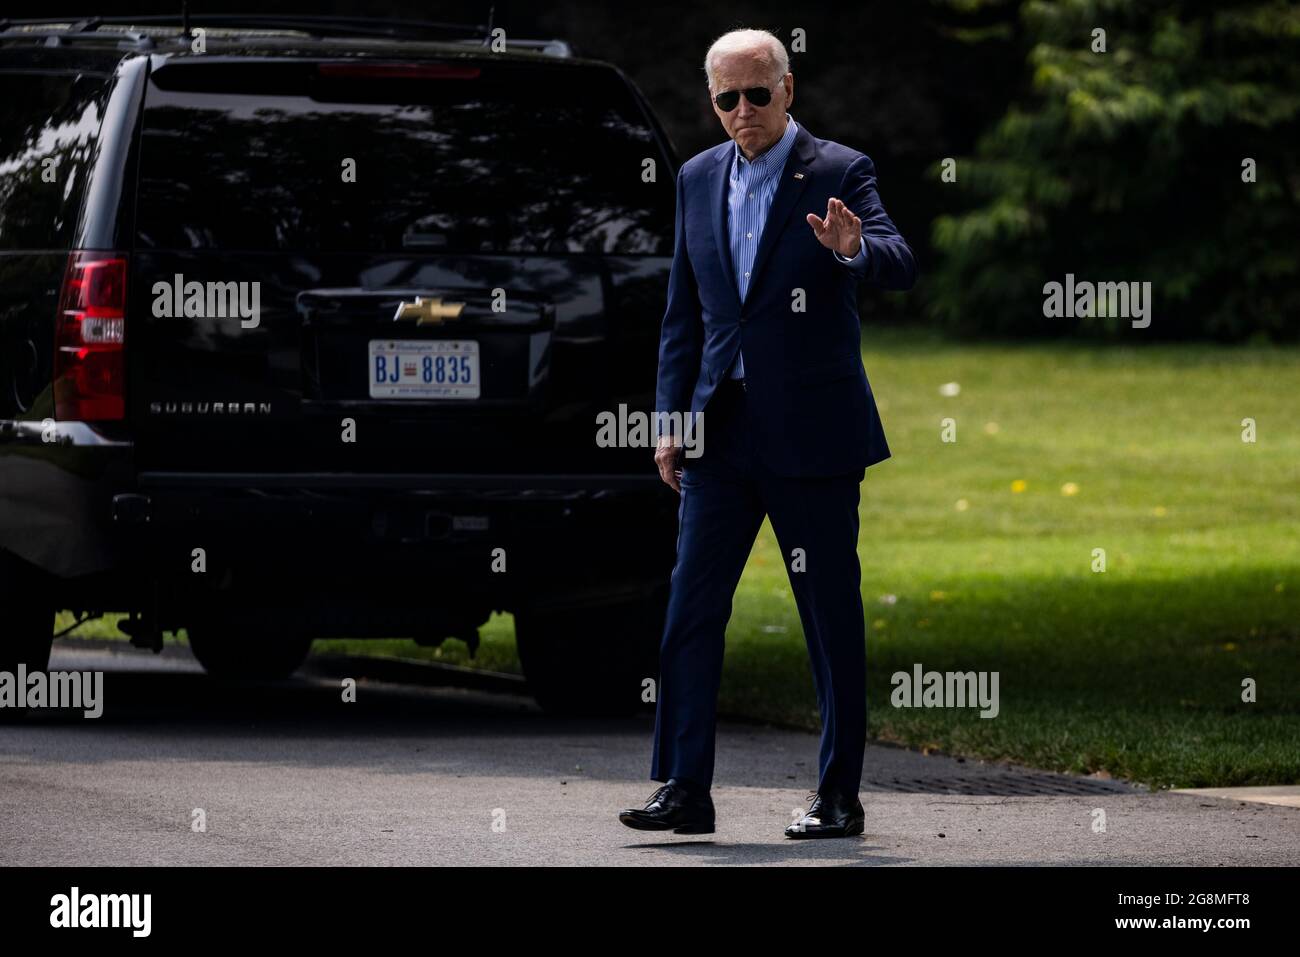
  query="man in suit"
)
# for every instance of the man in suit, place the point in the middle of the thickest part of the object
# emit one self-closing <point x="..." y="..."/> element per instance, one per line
<point x="775" y="229"/>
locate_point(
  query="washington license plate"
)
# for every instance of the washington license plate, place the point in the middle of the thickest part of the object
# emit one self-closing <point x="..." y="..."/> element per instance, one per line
<point x="424" y="369"/>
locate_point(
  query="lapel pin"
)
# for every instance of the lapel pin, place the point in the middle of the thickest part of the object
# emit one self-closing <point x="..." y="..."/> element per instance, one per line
<point x="798" y="175"/>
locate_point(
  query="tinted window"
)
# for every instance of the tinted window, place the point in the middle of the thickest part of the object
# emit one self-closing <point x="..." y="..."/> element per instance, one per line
<point x="479" y="159"/>
<point x="48" y="127"/>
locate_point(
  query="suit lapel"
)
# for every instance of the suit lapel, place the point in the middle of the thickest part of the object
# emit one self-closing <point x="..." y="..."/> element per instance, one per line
<point x="798" y="171"/>
<point x="719" y="180"/>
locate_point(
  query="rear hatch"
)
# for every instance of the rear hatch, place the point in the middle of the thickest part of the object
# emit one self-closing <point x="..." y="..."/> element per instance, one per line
<point x="434" y="267"/>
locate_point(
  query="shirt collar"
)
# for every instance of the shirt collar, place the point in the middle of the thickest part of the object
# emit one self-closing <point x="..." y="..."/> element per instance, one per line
<point x="774" y="157"/>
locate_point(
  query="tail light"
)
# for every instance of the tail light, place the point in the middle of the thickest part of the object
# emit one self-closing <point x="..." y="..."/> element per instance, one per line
<point x="90" y="339"/>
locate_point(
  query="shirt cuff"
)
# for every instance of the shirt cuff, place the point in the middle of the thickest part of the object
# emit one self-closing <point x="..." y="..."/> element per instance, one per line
<point x="862" y="252"/>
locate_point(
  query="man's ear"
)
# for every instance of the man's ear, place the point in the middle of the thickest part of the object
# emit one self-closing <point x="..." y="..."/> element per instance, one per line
<point x="789" y="89"/>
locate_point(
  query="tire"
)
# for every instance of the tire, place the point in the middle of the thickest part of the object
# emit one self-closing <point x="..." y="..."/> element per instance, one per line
<point x="26" y="620"/>
<point x="591" y="662"/>
<point x="247" y="646"/>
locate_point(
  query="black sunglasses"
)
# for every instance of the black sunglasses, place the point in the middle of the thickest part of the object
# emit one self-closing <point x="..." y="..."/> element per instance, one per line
<point x="729" y="100"/>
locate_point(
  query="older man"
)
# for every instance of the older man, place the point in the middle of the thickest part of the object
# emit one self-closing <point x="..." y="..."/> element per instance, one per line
<point x="775" y="229"/>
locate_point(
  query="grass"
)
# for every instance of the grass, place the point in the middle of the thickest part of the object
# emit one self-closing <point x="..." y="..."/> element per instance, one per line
<point x="1136" y="671"/>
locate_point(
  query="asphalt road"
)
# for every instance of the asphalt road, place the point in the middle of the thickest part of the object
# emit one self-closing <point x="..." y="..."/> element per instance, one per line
<point x="288" y="774"/>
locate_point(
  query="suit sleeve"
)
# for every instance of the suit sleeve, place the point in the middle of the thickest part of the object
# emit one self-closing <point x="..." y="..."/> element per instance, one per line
<point x="681" y="339"/>
<point x="888" y="262"/>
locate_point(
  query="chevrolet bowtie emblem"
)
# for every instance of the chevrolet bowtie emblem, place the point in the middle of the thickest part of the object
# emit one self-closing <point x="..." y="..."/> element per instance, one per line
<point x="427" y="312"/>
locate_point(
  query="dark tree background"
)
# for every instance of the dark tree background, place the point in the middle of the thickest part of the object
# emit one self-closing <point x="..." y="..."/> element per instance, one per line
<point x="1168" y="158"/>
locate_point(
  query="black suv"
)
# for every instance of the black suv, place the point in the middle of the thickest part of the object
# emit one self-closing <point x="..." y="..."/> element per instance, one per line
<point x="308" y="334"/>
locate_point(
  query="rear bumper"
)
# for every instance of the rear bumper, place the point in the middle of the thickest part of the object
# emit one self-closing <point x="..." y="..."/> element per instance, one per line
<point x="57" y="480"/>
<point x="468" y="483"/>
<point x="383" y="510"/>
<point x="378" y="544"/>
<point x="77" y="507"/>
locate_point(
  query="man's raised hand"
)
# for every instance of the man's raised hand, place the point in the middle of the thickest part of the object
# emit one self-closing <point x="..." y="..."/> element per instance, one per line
<point x="840" y="230"/>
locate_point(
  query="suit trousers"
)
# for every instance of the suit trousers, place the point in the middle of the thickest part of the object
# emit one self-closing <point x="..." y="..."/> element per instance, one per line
<point x="725" y="494"/>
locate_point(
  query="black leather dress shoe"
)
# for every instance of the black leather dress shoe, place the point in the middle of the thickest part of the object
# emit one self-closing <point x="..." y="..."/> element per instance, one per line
<point x="681" y="808"/>
<point x="830" y="815"/>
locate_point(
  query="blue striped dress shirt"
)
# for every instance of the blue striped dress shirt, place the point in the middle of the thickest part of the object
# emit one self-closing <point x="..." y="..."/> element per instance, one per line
<point x="753" y="184"/>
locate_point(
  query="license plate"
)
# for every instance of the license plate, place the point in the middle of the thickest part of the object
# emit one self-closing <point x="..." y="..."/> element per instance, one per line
<point x="424" y="369"/>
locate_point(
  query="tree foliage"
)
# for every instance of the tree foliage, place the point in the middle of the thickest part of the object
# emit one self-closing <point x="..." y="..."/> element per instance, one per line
<point x="1128" y="165"/>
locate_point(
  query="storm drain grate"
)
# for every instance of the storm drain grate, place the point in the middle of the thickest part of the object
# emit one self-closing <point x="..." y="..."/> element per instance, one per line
<point x="1010" y="785"/>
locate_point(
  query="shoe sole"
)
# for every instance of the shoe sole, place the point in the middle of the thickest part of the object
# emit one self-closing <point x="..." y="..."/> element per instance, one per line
<point x="850" y="831"/>
<point x="640" y="825"/>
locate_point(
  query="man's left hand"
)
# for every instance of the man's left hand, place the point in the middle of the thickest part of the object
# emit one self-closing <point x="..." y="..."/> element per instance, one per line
<point x="840" y="230"/>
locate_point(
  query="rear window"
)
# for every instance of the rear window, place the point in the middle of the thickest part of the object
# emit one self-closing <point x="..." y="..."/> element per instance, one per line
<point x="454" y="157"/>
<point x="48" y="128"/>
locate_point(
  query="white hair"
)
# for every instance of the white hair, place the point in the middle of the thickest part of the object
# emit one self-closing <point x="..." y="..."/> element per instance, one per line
<point x="762" y="42"/>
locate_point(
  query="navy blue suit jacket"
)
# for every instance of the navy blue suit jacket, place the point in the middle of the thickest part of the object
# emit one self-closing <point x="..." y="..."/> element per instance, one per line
<point x="803" y="370"/>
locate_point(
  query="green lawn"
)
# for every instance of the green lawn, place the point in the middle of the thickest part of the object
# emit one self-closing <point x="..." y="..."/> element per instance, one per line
<point x="1136" y="671"/>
